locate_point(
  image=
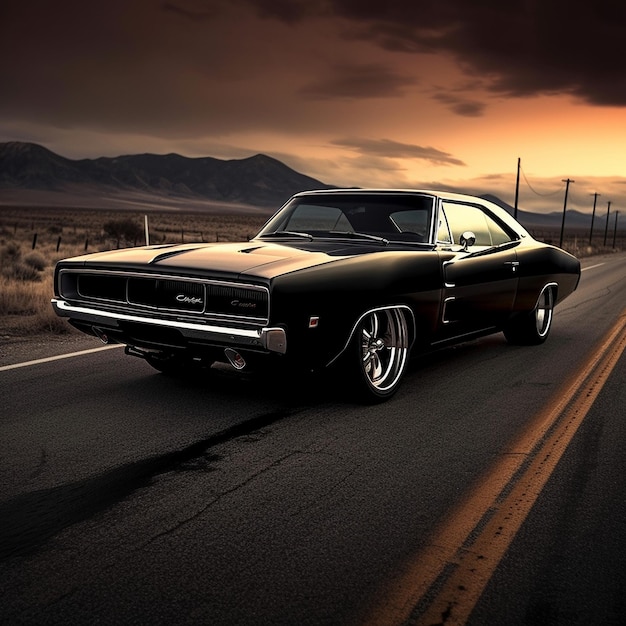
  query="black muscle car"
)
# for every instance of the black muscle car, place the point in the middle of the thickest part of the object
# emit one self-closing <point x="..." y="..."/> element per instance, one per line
<point x="351" y="279"/>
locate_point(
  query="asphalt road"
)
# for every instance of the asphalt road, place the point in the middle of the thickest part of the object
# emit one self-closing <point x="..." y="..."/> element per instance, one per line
<point x="130" y="498"/>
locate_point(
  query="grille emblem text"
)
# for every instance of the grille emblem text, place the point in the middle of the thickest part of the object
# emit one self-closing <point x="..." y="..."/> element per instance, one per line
<point x="181" y="297"/>
<point x="243" y="305"/>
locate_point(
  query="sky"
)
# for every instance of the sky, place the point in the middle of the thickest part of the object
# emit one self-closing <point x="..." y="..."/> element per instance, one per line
<point x="402" y="93"/>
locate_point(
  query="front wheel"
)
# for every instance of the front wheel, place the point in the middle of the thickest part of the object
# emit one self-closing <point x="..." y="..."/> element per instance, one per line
<point x="379" y="352"/>
<point x="532" y="328"/>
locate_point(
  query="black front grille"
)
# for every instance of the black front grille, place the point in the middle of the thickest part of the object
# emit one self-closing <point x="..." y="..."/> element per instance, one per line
<point x="139" y="292"/>
<point x="162" y="293"/>
<point x="230" y="300"/>
<point x="102" y="287"/>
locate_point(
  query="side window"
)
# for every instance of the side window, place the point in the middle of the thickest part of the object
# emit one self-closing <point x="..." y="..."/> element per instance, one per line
<point x="498" y="234"/>
<point x="462" y="217"/>
<point x="443" y="232"/>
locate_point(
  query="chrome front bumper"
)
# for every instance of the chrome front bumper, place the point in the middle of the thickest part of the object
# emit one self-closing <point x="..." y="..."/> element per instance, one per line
<point x="270" y="339"/>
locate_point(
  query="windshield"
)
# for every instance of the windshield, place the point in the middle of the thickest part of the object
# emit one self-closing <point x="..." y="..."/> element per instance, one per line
<point x="377" y="217"/>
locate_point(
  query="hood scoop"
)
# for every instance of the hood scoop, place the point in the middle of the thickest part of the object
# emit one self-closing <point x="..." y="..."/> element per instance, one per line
<point x="171" y="253"/>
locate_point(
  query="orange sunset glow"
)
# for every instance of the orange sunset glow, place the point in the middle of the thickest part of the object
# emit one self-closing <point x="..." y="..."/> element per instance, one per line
<point x="395" y="94"/>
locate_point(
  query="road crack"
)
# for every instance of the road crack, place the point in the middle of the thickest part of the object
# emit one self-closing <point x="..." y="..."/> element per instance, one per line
<point x="30" y="520"/>
<point x="182" y="523"/>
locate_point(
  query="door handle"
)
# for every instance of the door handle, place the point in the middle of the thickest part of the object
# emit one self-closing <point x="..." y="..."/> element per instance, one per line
<point x="512" y="264"/>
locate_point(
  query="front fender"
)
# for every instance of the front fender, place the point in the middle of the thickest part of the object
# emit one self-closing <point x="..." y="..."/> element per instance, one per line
<point x="320" y="307"/>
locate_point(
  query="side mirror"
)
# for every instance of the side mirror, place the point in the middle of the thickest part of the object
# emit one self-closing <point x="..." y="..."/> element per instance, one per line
<point x="467" y="240"/>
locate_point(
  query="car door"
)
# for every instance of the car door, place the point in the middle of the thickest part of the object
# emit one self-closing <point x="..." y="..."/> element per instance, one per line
<point x="479" y="280"/>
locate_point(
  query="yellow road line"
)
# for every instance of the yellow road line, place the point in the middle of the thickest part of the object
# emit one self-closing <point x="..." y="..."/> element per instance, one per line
<point x="443" y="584"/>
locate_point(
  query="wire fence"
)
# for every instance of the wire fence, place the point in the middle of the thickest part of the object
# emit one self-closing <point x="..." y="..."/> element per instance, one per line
<point x="577" y="242"/>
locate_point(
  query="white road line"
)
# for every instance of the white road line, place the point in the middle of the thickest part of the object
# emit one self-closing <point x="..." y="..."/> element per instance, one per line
<point x="592" y="266"/>
<point x="4" y="368"/>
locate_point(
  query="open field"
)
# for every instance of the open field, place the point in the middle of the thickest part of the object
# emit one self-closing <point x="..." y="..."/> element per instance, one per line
<point x="32" y="241"/>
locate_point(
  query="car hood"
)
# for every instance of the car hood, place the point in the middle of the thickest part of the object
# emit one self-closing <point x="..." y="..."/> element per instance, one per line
<point x="253" y="258"/>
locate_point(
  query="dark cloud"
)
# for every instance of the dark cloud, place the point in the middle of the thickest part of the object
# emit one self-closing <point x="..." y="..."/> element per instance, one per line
<point x="190" y="13"/>
<point x="524" y="47"/>
<point x="387" y="148"/>
<point x="358" y="81"/>
<point x="289" y="11"/>
<point x="461" y="106"/>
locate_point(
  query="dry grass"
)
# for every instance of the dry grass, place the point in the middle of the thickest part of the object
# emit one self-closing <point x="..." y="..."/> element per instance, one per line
<point x="31" y="242"/>
<point x="25" y="307"/>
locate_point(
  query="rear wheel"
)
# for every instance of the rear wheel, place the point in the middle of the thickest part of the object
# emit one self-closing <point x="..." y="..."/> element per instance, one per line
<point x="532" y="328"/>
<point x="379" y="353"/>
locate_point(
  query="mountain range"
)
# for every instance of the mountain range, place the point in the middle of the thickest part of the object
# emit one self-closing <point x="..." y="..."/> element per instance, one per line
<point x="258" y="180"/>
<point x="33" y="175"/>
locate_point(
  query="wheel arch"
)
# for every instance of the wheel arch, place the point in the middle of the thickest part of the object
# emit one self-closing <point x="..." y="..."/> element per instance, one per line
<point x="532" y="325"/>
<point x="554" y="286"/>
<point x="411" y="323"/>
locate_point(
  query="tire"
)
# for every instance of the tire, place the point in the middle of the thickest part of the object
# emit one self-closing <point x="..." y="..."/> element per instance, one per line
<point x="378" y="354"/>
<point x="533" y="327"/>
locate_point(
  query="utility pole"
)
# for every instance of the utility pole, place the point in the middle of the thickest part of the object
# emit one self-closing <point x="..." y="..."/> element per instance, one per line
<point x="615" y="229"/>
<point x="517" y="188"/>
<point x="567" y="182"/>
<point x="606" y="226"/>
<point x="593" y="215"/>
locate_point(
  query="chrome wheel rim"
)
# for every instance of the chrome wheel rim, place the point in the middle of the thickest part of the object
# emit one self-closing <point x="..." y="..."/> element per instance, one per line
<point x="543" y="312"/>
<point x="384" y="348"/>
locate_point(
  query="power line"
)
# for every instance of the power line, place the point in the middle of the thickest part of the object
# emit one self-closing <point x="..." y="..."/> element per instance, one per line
<point x="552" y="193"/>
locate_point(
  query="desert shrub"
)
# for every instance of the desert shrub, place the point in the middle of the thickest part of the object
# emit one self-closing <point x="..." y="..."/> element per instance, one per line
<point x="10" y="253"/>
<point x="36" y="261"/>
<point x="19" y="268"/>
<point x="21" y="271"/>
<point x="122" y="229"/>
